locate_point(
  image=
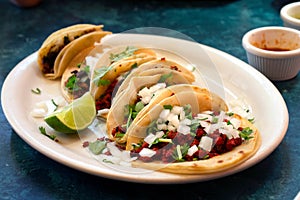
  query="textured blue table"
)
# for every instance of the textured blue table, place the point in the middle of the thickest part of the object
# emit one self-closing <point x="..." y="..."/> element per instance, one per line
<point x="27" y="174"/>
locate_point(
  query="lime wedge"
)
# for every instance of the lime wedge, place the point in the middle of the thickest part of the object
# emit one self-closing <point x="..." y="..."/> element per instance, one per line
<point x="76" y="116"/>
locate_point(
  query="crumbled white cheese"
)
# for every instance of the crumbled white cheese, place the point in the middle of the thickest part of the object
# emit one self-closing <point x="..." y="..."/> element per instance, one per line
<point x="206" y="143"/>
<point x="145" y="152"/>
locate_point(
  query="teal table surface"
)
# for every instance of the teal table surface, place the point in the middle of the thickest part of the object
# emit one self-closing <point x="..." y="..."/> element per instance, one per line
<point x="27" y="174"/>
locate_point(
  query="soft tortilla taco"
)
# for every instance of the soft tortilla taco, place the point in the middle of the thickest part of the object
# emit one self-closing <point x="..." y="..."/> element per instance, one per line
<point x="56" y="42"/>
<point x="133" y="102"/>
<point x="153" y="66"/>
<point x="112" y="68"/>
<point x="177" y="138"/>
<point x="77" y="63"/>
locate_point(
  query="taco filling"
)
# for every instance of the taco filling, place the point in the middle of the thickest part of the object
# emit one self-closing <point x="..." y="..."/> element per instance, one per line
<point x="131" y="110"/>
<point x="79" y="82"/>
<point x="178" y="135"/>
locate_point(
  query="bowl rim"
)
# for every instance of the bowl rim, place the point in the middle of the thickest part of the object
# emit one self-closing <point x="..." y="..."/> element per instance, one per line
<point x="286" y="17"/>
<point x="266" y="53"/>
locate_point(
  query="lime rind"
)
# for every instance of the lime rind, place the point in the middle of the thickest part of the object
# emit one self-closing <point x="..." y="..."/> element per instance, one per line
<point x="74" y="117"/>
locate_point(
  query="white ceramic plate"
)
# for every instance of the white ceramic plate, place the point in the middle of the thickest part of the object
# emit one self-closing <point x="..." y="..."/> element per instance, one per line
<point x="225" y="75"/>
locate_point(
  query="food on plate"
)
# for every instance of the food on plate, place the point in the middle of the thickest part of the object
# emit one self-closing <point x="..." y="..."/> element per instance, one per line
<point x="112" y="67"/>
<point x="153" y="67"/>
<point x="74" y="117"/>
<point x="199" y="99"/>
<point x="75" y="80"/>
<point x="175" y="137"/>
<point x="133" y="102"/>
<point x="53" y="49"/>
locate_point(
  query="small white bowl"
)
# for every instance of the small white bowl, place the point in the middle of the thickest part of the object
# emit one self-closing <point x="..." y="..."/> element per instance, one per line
<point x="274" y="51"/>
<point x="290" y="15"/>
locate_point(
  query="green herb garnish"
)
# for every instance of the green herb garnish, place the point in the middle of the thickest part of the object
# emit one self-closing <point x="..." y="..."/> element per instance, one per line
<point x="100" y="73"/>
<point x="164" y="77"/>
<point x="107" y="161"/>
<point x="36" y="91"/>
<point x="53" y="102"/>
<point x="180" y="152"/>
<point x="43" y="131"/>
<point x="97" y="147"/>
<point x="169" y="107"/>
<point x="129" y="51"/>
<point x="104" y="82"/>
<point x="246" y="132"/>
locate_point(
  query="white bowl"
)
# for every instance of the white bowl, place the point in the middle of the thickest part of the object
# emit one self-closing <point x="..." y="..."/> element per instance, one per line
<point x="290" y="15"/>
<point x="274" y="51"/>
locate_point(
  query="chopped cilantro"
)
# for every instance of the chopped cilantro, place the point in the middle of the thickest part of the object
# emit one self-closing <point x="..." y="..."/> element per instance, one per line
<point x="97" y="147"/>
<point x="164" y="77"/>
<point x="135" y="65"/>
<point x="36" y="91"/>
<point x="230" y="114"/>
<point x="119" y="135"/>
<point x="104" y="82"/>
<point x="251" y="120"/>
<point x="107" y="161"/>
<point x="180" y="152"/>
<point x="246" y="133"/>
<point x="169" y="107"/>
<point x="129" y="51"/>
<point x="188" y="111"/>
<point x="53" y="102"/>
<point x="43" y="131"/>
<point x="100" y="73"/>
<point x="139" y="106"/>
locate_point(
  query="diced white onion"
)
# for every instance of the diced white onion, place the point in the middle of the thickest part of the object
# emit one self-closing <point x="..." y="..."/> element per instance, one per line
<point x="186" y="122"/>
<point x="145" y="152"/>
<point x="235" y="122"/>
<point x="150" y="138"/>
<point x="171" y="128"/>
<point x="114" y="150"/>
<point x="193" y="149"/>
<point x="182" y="115"/>
<point x="162" y="126"/>
<point x="177" y="110"/>
<point x="38" y="113"/>
<point x="125" y="156"/>
<point x="164" y="114"/>
<point x="159" y="134"/>
<point x="173" y="119"/>
<point x="206" y="143"/>
<point x="184" y="129"/>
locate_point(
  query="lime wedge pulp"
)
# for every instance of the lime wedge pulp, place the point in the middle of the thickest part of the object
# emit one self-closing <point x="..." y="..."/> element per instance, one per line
<point x="76" y="116"/>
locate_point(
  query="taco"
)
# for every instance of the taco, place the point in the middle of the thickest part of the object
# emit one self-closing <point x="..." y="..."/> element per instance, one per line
<point x="56" y="42"/>
<point x="75" y="80"/>
<point x="153" y="66"/>
<point x="112" y="67"/>
<point x="177" y="138"/>
<point x="133" y="102"/>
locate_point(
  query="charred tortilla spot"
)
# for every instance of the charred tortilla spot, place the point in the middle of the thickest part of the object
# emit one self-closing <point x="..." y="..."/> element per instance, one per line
<point x="220" y="161"/>
<point x="241" y="152"/>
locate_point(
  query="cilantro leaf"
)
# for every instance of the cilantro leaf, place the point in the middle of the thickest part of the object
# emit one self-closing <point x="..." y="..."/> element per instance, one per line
<point x="164" y="77"/>
<point x="43" y="131"/>
<point x="97" y="147"/>
<point x="246" y="133"/>
<point x="129" y="51"/>
<point x="179" y="153"/>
